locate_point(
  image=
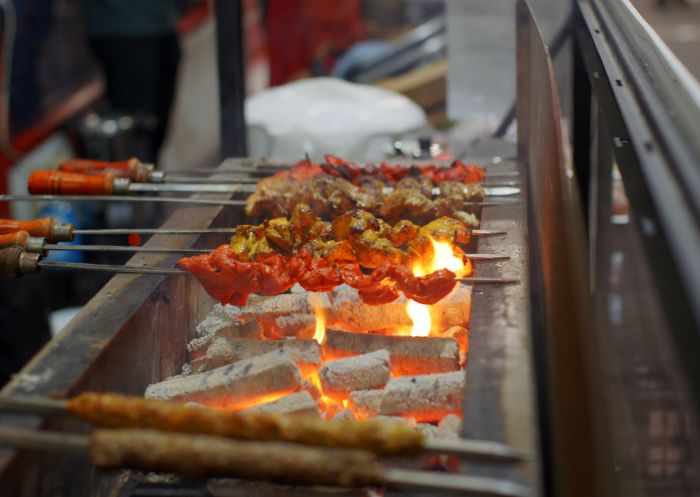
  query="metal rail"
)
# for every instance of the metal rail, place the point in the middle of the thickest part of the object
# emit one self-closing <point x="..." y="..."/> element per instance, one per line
<point x="651" y="107"/>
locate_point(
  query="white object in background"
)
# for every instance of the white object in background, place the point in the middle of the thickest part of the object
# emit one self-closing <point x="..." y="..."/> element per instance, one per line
<point x="325" y="115"/>
<point x="47" y="155"/>
<point x="60" y="318"/>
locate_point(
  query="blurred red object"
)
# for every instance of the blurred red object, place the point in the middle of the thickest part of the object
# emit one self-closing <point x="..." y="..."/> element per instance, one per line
<point x="134" y="240"/>
<point x="303" y="34"/>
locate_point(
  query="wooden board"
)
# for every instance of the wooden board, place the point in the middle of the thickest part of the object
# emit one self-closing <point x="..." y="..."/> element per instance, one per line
<point x="560" y="300"/>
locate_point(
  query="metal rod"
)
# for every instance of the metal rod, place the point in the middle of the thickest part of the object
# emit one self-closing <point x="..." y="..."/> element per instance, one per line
<point x="117" y="198"/>
<point x="425" y="480"/>
<point x="32" y="405"/>
<point x="272" y="168"/>
<point x="159" y="250"/>
<point x="124" y="248"/>
<point x="59" y="442"/>
<point x="489" y="281"/>
<point x="176" y="200"/>
<point x="480" y="449"/>
<point x="154" y="231"/>
<point x="110" y="269"/>
<point x="470" y="485"/>
<point x="488" y="232"/>
<point x="161" y="231"/>
<point x="219" y="187"/>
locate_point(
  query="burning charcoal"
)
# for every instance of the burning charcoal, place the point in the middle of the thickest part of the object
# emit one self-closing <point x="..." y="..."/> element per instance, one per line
<point x="426" y="398"/>
<point x="295" y="403"/>
<point x="366" y="403"/>
<point x="409" y="355"/>
<point x="234" y="385"/>
<point x="218" y="318"/>
<point x="306" y="353"/>
<point x="460" y="334"/>
<point x="349" y="312"/>
<point x="360" y="372"/>
<point x="450" y="427"/>
<point x="294" y="326"/>
<point x="285" y="304"/>
<point x="237" y="329"/>
<point x="344" y="414"/>
<point x="312" y="389"/>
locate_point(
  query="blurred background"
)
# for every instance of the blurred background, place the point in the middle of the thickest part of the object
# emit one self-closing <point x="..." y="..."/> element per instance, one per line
<point x="113" y="79"/>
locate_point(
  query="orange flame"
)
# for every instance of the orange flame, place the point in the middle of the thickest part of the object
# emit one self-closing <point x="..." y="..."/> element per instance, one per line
<point x="442" y="257"/>
<point x="320" y="332"/>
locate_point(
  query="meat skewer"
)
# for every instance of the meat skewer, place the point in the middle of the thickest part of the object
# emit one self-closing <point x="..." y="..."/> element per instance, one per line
<point x="383" y="437"/>
<point x="137" y="171"/>
<point x="15" y="262"/>
<point x="170" y="200"/>
<point x="207" y="456"/>
<point x="38" y="235"/>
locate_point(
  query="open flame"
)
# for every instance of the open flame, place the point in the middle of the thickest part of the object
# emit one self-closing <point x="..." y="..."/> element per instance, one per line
<point x="442" y="257"/>
<point x="320" y="331"/>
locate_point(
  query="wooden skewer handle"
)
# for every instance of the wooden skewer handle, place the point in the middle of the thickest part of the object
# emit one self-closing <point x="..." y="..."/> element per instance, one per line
<point x="15" y="262"/>
<point x="44" y="227"/>
<point x="132" y="168"/>
<point x="59" y="183"/>
<point x="23" y="240"/>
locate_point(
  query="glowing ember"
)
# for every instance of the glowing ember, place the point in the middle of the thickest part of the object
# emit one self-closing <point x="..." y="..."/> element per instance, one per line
<point x="327" y="405"/>
<point x="443" y="257"/>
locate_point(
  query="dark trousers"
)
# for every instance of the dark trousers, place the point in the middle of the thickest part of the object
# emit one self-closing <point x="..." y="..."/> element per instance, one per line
<point x="24" y="325"/>
<point x="140" y="75"/>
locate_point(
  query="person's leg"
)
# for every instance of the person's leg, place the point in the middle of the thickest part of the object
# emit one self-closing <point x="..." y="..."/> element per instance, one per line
<point x="24" y="326"/>
<point x="130" y="71"/>
<point x="168" y="62"/>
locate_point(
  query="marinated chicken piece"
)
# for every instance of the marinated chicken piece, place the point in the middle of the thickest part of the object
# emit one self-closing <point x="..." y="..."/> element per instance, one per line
<point x="302" y="220"/>
<point x="331" y="250"/>
<point x="249" y="241"/>
<point x="467" y="192"/>
<point x="278" y="232"/>
<point x="418" y="183"/>
<point x="406" y="204"/>
<point x="320" y="229"/>
<point x="373" y="187"/>
<point x="447" y="229"/>
<point x="402" y="232"/>
<point x="466" y="218"/>
<point x="353" y="223"/>
<point x="374" y="251"/>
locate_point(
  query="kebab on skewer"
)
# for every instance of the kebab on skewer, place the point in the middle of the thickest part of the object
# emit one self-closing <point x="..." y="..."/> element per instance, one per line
<point x="136" y="171"/>
<point x="329" y="196"/>
<point x="270" y="258"/>
<point x="382" y="437"/>
<point x="209" y="456"/>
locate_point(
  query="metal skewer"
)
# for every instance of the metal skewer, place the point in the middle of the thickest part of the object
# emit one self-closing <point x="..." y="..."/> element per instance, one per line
<point x="137" y="442"/>
<point x="118" y="198"/>
<point x="466" y="448"/>
<point x="129" y="249"/>
<point x="54" y="231"/>
<point x="173" y="200"/>
<point x="15" y="261"/>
